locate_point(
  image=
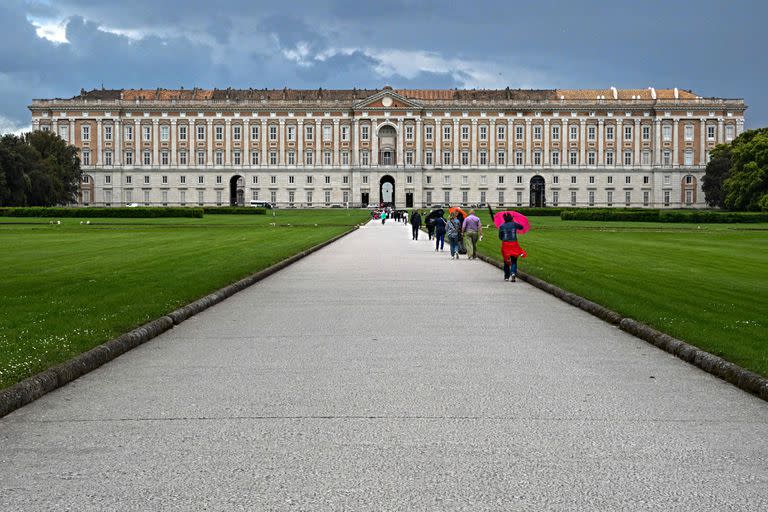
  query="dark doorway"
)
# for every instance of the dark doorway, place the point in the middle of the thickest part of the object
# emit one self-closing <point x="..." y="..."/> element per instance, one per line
<point x="409" y="199"/>
<point x="364" y="199"/>
<point x="387" y="190"/>
<point x="537" y="192"/>
<point x="236" y="191"/>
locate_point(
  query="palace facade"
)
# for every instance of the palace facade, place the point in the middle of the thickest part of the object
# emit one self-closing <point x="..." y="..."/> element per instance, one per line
<point x="412" y="148"/>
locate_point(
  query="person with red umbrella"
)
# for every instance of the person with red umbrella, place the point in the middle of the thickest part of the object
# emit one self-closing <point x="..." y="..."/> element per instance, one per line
<point x="510" y="249"/>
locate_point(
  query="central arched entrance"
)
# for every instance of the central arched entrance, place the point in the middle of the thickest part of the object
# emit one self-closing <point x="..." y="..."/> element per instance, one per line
<point x="236" y="191"/>
<point x="387" y="190"/>
<point x="387" y="145"/>
<point x="537" y="192"/>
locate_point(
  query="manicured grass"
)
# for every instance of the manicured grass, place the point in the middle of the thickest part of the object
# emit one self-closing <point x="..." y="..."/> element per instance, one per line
<point x="705" y="284"/>
<point x="67" y="288"/>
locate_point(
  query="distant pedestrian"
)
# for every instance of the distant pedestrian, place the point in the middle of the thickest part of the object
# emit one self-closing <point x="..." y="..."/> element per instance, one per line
<point x="439" y="224"/>
<point x="510" y="249"/>
<point x="405" y="217"/>
<point x="416" y="224"/>
<point x="472" y="230"/>
<point x="452" y="230"/>
<point x="383" y="217"/>
<point x="430" y="222"/>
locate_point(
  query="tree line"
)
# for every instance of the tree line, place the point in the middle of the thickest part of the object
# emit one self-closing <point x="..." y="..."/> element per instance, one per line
<point x="737" y="173"/>
<point x="38" y="169"/>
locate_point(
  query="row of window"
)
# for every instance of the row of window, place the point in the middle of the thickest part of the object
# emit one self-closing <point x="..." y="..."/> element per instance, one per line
<point x="309" y="130"/>
<point x="571" y="158"/>
<point x="447" y="180"/>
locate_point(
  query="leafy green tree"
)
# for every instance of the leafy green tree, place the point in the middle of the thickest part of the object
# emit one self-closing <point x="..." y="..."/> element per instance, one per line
<point x="38" y="169"/>
<point x="747" y="184"/>
<point x="718" y="169"/>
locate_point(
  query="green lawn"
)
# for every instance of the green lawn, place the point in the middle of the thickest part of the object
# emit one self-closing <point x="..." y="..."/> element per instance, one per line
<point x="705" y="284"/>
<point x="67" y="288"/>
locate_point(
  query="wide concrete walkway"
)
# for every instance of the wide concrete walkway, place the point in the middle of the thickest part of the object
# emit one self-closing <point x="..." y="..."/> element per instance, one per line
<point x="379" y="375"/>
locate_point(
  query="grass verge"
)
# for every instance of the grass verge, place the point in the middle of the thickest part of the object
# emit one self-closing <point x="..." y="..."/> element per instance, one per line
<point x="704" y="284"/>
<point x="69" y="287"/>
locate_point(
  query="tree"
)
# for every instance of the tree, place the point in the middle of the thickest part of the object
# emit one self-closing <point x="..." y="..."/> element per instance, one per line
<point x="718" y="169"/>
<point x="747" y="184"/>
<point x="38" y="169"/>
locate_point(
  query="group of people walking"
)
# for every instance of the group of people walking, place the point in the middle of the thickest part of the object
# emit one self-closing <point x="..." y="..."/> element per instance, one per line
<point x="464" y="233"/>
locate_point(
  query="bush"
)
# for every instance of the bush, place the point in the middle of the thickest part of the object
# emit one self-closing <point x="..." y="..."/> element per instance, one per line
<point x="234" y="210"/>
<point x="102" y="212"/>
<point x="536" y="212"/>
<point x="690" y="216"/>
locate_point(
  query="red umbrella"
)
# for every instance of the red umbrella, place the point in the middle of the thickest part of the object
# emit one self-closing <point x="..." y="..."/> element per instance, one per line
<point x="457" y="209"/>
<point x="498" y="220"/>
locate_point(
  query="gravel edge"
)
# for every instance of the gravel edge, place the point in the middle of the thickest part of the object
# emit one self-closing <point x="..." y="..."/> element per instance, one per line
<point x="32" y="388"/>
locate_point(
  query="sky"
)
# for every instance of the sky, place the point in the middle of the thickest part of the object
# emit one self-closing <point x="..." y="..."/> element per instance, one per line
<point x="53" y="48"/>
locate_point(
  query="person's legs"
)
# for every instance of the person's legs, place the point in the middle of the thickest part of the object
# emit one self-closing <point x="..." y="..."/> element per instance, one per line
<point x="441" y="240"/>
<point x="506" y="270"/>
<point x="513" y="266"/>
<point x="471" y="242"/>
<point x="452" y="243"/>
<point x="415" y="233"/>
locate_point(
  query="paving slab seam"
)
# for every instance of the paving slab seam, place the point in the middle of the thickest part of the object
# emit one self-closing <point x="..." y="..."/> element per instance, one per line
<point x="740" y="377"/>
<point x="38" y="385"/>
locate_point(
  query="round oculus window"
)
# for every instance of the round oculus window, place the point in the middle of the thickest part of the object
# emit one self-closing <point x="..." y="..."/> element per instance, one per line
<point x="386" y="101"/>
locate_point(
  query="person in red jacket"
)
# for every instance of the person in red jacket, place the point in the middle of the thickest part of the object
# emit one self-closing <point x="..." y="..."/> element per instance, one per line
<point x="510" y="249"/>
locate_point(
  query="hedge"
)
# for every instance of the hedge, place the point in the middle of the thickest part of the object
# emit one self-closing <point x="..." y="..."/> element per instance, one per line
<point x="532" y="212"/>
<point x="101" y="212"/>
<point x="690" y="216"/>
<point x="234" y="210"/>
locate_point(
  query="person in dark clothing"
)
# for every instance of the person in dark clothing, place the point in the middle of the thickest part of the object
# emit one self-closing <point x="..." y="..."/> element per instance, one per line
<point x="510" y="249"/>
<point x="416" y="224"/>
<point x="439" y="224"/>
<point x="430" y="227"/>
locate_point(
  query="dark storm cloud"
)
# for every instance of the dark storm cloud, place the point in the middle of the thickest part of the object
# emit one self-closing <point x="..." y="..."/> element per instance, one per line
<point x="712" y="47"/>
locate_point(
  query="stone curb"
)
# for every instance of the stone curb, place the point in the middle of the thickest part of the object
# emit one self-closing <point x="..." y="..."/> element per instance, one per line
<point x="32" y="388"/>
<point x="710" y="363"/>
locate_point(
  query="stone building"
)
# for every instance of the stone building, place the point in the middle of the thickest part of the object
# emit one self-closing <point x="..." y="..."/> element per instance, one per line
<point x="316" y="148"/>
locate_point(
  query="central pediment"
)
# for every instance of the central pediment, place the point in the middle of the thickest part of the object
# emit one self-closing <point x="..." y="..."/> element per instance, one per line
<point x="387" y="98"/>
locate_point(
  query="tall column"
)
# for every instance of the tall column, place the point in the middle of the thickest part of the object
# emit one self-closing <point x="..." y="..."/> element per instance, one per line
<point x="583" y="142"/>
<point x="246" y="142"/>
<point x="720" y="131"/>
<point x="418" y="158"/>
<point x="173" y="141"/>
<point x="137" y="143"/>
<point x="492" y="142"/>
<point x="400" y="141"/>
<point x="264" y="150"/>
<point x="657" y="141"/>
<point x="374" y="143"/>
<point x="55" y="125"/>
<point x="739" y="126"/>
<point x="546" y="135"/>
<point x="455" y="139"/>
<point x="336" y="143"/>
<point x="473" y="143"/>
<point x="281" y="142"/>
<point x="227" y="138"/>
<point x="155" y="142"/>
<point x="510" y="142"/>
<point x="300" y="141"/>
<point x="600" y="155"/>
<point x="619" y="140"/>
<point x="438" y="157"/>
<point x="318" y="142"/>
<point x="99" y="157"/>
<point x="355" y="143"/>
<point x="118" y="136"/>
<point x="209" y="137"/>
<point x="528" y="159"/>
<point x="675" y="144"/>
<point x="636" y="159"/>
<point x="702" y="141"/>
